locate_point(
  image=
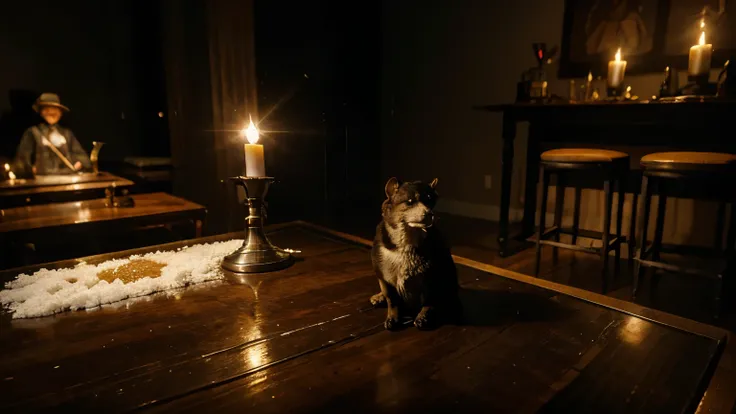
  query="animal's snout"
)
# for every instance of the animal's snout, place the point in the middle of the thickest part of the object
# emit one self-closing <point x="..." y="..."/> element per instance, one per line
<point x="428" y="218"/>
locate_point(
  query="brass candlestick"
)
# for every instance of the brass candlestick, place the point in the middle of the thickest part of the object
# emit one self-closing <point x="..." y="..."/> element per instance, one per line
<point x="94" y="156"/>
<point x="257" y="253"/>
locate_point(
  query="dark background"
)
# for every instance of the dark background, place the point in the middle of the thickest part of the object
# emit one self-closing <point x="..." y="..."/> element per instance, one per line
<point x="388" y="92"/>
<point x="318" y="71"/>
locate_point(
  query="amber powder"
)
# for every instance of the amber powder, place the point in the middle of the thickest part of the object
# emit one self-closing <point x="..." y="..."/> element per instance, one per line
<point x="132" y="271"/>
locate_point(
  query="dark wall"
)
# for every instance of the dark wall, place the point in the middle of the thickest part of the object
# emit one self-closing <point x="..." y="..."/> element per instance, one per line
<point x="99" y="56"/>
<point x="318" y="67"/>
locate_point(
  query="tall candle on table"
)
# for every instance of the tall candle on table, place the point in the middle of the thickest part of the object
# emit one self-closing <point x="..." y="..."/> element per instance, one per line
<point x="700" y="56"/>
<point x="254" y="163"/>
<point x="616" y="71"/>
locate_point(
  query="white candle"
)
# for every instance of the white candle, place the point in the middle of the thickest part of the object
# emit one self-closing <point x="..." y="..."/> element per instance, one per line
<point x="700" y="57"/>
<point x="254" y="163"/>
<point x="616" y="71"/>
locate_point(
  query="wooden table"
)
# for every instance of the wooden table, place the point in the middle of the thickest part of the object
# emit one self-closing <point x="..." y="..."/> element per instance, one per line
<point x="306" y="340"/>
<point x="57" y="188"/>
<point x="61" y="220"/>
<point x="692" y="126"/>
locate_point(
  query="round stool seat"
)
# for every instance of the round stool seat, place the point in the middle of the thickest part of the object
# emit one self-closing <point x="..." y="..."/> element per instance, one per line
<point x="584" y="155"/>
<point x="689" y="161"/>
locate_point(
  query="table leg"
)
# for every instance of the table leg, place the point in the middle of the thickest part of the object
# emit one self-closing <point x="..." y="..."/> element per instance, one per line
<point x="530" y="183"/>
<point x="507" y="169"/>
<point x="197" y="228"/>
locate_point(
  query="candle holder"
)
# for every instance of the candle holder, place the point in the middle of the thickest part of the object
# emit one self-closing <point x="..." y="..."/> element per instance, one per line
<point x="699" y="85"/>
<point x="257" y="253"/>
<point x="615" y="92"/>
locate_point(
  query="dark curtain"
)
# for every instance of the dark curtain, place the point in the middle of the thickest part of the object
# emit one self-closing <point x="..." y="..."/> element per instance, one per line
<point x="211" y="90"/>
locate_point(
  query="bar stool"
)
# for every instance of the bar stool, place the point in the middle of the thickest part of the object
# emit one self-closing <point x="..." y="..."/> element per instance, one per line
<point x="663" y="169"/>
<point x="613" y="168"/>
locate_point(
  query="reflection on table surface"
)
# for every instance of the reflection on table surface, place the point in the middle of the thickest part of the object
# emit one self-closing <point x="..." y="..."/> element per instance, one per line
<point x="62" y="179"/>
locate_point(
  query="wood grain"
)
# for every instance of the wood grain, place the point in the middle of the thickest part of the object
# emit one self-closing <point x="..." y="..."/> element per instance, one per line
<point x="81" y="214"/>
<point x="50" y="189"/>
<point x="305" y="340"/>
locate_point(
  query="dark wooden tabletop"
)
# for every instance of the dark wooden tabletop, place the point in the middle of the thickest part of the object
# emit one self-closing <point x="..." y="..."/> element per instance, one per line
<point x="48" y="183"/>
<point x="57" y="188"/>
<point x="77" y="215"/>
<point x="305" y="339"/>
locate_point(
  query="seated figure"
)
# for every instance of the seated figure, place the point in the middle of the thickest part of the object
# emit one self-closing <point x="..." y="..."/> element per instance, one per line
<point x="48" y="148"/>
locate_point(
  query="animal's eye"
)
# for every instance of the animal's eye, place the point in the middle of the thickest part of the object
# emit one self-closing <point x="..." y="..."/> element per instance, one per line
<point x="410" y="201"/>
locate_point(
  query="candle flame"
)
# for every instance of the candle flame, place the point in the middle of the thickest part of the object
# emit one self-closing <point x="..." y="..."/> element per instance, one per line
<point x="618" y="55"/>
<point x="11" y="175"/>
<point x="251" y="133"/>
<point x="7" y="167"/>
<point x="702" y="38"/>
<point x="702" y="23"/>
<point x="590" y="76"/>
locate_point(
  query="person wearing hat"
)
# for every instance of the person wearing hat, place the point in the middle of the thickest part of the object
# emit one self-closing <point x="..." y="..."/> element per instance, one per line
<point x="48" y="148"/>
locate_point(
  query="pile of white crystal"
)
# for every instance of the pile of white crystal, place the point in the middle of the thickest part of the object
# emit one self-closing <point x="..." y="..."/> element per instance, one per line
<point x="47" y="292"/>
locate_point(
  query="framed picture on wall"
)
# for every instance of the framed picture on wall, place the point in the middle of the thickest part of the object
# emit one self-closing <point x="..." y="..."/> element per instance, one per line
<point x="651" y="33"/>
<point x="683" y="27"/>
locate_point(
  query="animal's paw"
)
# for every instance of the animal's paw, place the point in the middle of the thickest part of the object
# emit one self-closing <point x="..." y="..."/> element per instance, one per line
<point x="424" y="321"/>
<point x="391" y="324"/>
<point x="378" y="299"/>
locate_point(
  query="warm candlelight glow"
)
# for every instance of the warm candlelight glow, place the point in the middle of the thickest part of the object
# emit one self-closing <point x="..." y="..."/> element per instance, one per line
<point x="699" y="60"/>
<point x="254" y="162"/>
<point x="251" y="133"/>
<point x="616" y="71"/>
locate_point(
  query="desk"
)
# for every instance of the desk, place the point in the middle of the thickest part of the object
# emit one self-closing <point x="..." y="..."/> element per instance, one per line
<point x="57" y="188"/>
<point x="695" y="126"/>
<point x="57" y="220"/>
<point x="306" y="340"/>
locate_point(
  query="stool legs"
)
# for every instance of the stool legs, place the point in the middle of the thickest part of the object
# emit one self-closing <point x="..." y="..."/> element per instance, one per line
<point x="621" y="190"/>
<point x="576" y="215"/>
<point x="542" y="208"/>
<point x="641" y="232"/>
<point x="631" y="240"/>
<point x="658" y="230"/>
<point x="606" y="236"/>
<point x="559" y="208"/>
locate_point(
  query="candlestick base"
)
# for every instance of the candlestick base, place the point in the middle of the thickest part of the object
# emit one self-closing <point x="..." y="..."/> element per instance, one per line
<point x="257" y="253"/>
<point x="699" y="85"/>
<point x="615" y="92"/>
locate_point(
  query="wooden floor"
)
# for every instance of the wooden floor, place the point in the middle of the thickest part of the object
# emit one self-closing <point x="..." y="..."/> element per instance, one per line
<point x="306" y="340"/>
<point x="687" y="296"/>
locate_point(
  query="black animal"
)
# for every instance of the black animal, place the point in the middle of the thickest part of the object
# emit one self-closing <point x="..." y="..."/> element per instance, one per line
<point x="413" y="264"/>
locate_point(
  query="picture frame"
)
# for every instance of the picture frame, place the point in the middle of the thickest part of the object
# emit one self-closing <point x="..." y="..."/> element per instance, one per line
<point x="652" y="34"/>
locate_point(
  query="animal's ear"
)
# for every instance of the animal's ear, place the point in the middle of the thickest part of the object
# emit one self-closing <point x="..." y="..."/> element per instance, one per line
<point x="391" y="186"/>
<point x="433" y="184"/>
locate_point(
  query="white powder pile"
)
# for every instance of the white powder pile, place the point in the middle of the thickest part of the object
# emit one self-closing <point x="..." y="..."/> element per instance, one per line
<point x="52" y="291"/>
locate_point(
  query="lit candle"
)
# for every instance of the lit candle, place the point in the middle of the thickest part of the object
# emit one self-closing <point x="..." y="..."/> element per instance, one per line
<point x="11" y="175"/>
<point x="254" y="164"/>
<point x="700" y="56"/>
<point x="616" y="70"/>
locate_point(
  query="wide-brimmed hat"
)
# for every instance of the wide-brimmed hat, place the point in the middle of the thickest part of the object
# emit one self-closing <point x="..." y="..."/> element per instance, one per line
<point x="48" y="99"/>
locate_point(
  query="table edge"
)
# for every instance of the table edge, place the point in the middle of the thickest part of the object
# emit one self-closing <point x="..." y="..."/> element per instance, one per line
<point x="187" y="207"/>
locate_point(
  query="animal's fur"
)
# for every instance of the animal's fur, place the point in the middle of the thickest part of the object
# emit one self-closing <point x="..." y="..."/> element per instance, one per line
<point x="413" y="264"/>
